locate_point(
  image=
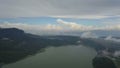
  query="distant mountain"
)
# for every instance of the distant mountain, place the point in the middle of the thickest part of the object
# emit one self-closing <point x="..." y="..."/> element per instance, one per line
<point x="15" y="44"/>
<point x="114" y="33"/>
<point x="12" y="33"/>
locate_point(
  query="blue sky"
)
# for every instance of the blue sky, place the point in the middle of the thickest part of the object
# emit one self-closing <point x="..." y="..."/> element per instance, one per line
<point x="52" y="20"/>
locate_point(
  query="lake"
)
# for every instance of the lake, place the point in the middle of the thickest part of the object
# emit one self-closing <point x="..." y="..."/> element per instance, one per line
<point x="58" y="57"/>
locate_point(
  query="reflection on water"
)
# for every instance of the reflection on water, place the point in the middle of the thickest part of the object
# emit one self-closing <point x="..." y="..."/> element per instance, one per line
<point x="58" y="57"/>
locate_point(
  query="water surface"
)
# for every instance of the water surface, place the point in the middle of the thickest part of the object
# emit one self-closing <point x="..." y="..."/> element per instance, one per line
<point x="58" y="57"/>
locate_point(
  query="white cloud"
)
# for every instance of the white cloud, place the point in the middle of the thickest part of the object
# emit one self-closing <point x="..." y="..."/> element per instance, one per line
<point x="52" y="27"/>
<point x="89" y="35"/>
<point x="60" y="27"/>
<point x="112" y="39"/>
<point x="117" y="53"/>
<point x="107" y="27"/>
<point x="37" y="29"/>
<point x="31" y="26"/>
<point x="112" y="23"/>
<point x="74" y="25"/>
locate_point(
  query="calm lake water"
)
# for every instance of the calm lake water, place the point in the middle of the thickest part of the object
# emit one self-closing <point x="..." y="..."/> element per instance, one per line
<point x="58" y="57"/>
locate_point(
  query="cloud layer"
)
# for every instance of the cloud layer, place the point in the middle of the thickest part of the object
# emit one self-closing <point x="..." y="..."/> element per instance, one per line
<point x="61" y="26"/>
<point x="89" y="35"/>
<point x="110" y="38"/>
<point x="60" y="8"/>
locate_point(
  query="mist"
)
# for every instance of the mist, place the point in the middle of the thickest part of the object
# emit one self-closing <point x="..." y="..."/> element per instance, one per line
<point x="110" y="38"/>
